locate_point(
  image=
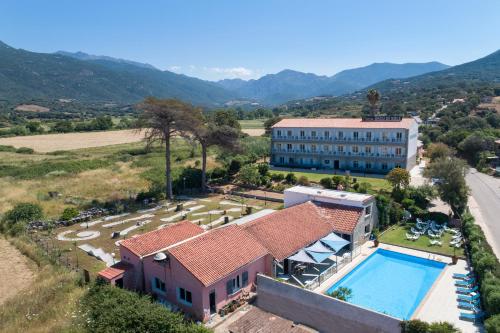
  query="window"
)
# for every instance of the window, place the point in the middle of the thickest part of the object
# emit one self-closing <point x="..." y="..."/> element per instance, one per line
<point x="185" y="296"/>
<point x="341" y="135"/>
<point x="327" y="161"/>
<point x="340" y="148"/>
<point x="368" y="210"/>
<point x="355" y="149"/>
<point x="327" y="134"/>
<point x="367" y="228"/>
<point x="398" y="165"/>
<point x="313" y="134"/>
<point x="302" y="147"/>
<point x="313" y="148"/>
<point x="368" y="165"/>
<point x="244" y="279"/>
<point x="384" y="135"/>
<point x="384" y="166"/>
<point x="326" y="148"/>
<point x="279" y="133"/>
<point x="368" y="149"/>
<point x="289" y="146"/>
<point x="368" y="136"/>
<point x="399" y="136"/>
<point x="355" y="164"/>
<point x="398" y="151"/>
<point x="279" y="146"/>
<point x="302" y="134"/>
<point x="282" y="160"/>
<point x="159" y="285"/>
<point x="355" y="135"/>
<point x="233" y="285"/>
<point x="291" y="160"/>
<point x="289" y="133"/>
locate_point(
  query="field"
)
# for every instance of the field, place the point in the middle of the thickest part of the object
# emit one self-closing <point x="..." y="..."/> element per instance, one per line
<point x="396" y="235"/>
<point x="253" y="127"/>
<point x="376" y="183"/>
<point x="67" y="141"/>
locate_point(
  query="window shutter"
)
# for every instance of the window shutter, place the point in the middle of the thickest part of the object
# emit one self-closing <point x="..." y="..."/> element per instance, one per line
<point x="229" y="287"/>
<point x="244" y="277"/>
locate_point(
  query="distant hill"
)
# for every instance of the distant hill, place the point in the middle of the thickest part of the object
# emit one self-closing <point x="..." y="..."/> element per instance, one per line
<point x="85" y="56"/>
<point x="292" y="85"/>
<point x="28" y="75"/>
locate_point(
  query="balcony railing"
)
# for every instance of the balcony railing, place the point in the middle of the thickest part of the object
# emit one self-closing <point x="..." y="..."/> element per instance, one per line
<point x="337" y="153"/>
<point x="338" y="139"/>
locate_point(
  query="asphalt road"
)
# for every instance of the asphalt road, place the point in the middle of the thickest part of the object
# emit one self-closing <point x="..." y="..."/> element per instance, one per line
<point x="485" y="205"/>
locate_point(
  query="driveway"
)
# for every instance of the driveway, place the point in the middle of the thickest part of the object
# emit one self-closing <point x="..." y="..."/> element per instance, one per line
<point x="484" y="204"/>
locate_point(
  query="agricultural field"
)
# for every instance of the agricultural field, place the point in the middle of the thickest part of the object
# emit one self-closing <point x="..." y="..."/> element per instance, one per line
<point x="206" y="211"/>
<point x="253" y="127"/>
<point x="376" y="183"/>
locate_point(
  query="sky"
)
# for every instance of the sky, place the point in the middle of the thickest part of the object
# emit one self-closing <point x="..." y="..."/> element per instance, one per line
<point x="218" y="39"/>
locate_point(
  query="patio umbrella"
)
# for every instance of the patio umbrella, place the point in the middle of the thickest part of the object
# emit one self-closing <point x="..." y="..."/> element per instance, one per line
<point x="302" y="256"/>
<point x="319" y="256"/>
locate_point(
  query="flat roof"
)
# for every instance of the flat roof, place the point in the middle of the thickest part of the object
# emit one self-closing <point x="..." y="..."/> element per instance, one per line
<point x="332" y="194"/>
<point x="405" y="123"/>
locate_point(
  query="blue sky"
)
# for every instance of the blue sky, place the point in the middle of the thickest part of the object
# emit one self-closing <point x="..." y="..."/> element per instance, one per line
<point x="214" y="39"/>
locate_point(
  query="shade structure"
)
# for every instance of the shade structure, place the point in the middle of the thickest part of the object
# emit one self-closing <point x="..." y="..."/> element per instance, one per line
<point x="320" y="256"/>
<point x="318" y="247"/>
<point x="302" y="256"/>
<point x="334" y="241"/>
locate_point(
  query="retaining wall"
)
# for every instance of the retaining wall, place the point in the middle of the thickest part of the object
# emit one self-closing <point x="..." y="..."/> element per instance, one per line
<point x="318" y="311"/>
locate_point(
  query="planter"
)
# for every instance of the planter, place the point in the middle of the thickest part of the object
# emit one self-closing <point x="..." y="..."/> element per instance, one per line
<point x="375" y="242"/>
<point x="454" y="260"/>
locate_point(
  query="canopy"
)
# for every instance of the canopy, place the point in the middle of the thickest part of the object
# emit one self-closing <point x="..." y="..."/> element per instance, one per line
<point x="318" y="247"/>
<point x="302" y="256"/>
<point x="335" y="242"/>
<point x="319" y="256"/>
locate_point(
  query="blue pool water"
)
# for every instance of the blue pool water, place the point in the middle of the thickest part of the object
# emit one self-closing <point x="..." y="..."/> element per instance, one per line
<point x="390" y="282"/>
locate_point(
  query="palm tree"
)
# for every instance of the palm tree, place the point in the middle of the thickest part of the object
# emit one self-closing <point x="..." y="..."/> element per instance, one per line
<point x="162" y="119"/>
<point x="373" y="97"/>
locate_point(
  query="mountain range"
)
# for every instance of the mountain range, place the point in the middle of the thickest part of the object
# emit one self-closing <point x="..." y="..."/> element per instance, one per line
<point x="26" y="76"/>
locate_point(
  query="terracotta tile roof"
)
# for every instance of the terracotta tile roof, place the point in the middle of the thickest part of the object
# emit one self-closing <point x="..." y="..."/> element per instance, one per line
<point x="288" y="230"/>
<point x="218" y="253"/>
<point x="154" y="241"/>
<point x="342" y="218"/>
<point x="114" y="271"/>
<point x="342" y="123"/>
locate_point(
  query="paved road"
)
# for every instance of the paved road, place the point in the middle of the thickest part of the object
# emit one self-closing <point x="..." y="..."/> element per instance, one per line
<point x="485" y="205"/>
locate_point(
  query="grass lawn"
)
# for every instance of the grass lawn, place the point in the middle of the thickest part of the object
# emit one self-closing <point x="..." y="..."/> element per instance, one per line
<point x="396" y="235"/>
<point x="252" y="124"/>
<point x="376" y="183"/>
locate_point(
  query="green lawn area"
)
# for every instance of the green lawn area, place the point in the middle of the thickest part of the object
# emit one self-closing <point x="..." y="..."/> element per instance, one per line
<point x="396" y="235"/>
<point x="252" y="124"/>
<point x="376" y="183"/>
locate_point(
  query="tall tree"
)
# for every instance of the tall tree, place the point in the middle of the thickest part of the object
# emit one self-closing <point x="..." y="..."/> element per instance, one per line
<point x="161" y="120"/>
<point x="373" y="97"/>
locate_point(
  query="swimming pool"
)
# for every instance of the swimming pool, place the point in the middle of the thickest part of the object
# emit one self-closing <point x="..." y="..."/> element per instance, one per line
<point x="391" y="282"/>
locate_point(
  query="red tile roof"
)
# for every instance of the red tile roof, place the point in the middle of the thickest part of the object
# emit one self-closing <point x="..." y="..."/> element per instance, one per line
<point x="342" y="218"/>
<point x="342" y="123"/>
<point x="114" y="271"/>
<point x="218" y="253"/>
<point x="154" y="241"/>
<point x="288" y="230"/>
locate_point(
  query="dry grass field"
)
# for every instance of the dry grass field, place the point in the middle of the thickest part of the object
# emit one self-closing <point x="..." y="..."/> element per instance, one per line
<point x="69" y="141"/>
<point x="31" y="108"/>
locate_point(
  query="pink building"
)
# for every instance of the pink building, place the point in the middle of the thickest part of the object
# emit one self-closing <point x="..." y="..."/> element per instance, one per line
<point x="199" y="272"/>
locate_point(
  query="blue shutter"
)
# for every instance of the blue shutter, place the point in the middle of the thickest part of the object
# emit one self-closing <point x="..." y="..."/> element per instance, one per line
<point x="244" y="277"/>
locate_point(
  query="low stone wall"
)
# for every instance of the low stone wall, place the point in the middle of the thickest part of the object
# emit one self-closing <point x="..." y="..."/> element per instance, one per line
<point x="258" y="197"/>
<point x="320" y="312"/>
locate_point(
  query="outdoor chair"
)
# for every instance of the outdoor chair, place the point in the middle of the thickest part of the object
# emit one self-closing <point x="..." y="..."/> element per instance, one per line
<point x="471" y="316"/>
<point x="464" y="283"/>
<point x="467" y="298"/>
<point x="467" y="290"/>
<point x="469" y="306"/>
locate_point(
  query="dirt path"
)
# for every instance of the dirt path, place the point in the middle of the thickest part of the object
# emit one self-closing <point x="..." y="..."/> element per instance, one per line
<point x="14" y="269"/>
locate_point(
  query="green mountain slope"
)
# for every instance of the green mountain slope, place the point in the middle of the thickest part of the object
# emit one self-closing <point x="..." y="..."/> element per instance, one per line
<point x="27" y="75"/>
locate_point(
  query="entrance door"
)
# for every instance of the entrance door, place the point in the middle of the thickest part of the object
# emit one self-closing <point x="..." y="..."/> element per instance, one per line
<point x="336" y="164"/>
<point x="119" y="283"/>
<point x="213" y="307"/>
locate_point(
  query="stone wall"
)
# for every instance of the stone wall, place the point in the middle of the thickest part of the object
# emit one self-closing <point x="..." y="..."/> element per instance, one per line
<point x="320" y="312"/>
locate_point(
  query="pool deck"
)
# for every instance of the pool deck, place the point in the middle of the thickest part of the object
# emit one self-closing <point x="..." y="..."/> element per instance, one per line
<point x="440" y="303"/>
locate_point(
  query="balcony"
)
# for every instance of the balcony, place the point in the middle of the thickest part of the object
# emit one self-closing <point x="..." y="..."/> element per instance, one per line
<point x="337" y="153"/>
<point x="339" y="140"/>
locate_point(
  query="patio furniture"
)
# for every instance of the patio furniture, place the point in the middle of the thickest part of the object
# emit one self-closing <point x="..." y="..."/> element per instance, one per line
<point x="464" y="283"/>
<point x="467" y="290"/>
<point x="466" y="298"/>
<point x="471" y="316"/>
<point x="469" y="306"/>
<point x="435" y="242"/>
<point x="410" y="237"/>
<point x="416" y="232"/>
<point x="456" y="241"/>
<point x="456" y="236"/>
<point x="463" y="276"/>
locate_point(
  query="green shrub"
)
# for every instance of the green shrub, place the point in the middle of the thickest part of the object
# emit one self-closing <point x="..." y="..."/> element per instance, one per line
<point x="69" y="213"/>
<point x="263" y="169"/>
<point x="9" y="149"/>
<point x="326" y="183"/>
<point x="15" y="219"/>
<point x="303" y="181"/>
<point x="277" y="177"/>
<point x="291" y="178"/>
<point x="414" y="326"/>
<point x="492" y="324"/>
<point x="25" y="150"/>
<point x="443" y="327"/>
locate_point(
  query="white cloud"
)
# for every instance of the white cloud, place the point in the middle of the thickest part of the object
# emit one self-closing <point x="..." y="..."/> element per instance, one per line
<point x="233" y="72"/>
<point x="176" y="69"/>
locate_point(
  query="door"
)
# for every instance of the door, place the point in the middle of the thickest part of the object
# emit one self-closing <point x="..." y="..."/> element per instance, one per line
<point x="336" y="164"/>
<point x="213" y="307"/>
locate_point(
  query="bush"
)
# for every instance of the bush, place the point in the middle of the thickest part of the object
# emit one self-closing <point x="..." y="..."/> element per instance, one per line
<point x="234" y="166"/>
<point x="10" y="149"/>
<point x="414" y="326"/>
<point x="326" y="183"/>
<point x="442" y="327"/>
<point x="69" y="213"/>
<point x="364" y="187"/>
<point x="291" y="178"/>
<point x="492" y="324"/>
<point x="15" y="219"/>
<point x="277" y="177"/>
<point x="303" y="181"/>
<point x="110" y="309"/>
<point x="249" y="175"/>
<point x="263" y="169"/>
<point x="24" y="150"/>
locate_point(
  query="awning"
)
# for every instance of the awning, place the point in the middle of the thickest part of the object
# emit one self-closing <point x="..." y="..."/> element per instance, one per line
<point x="320" y="256"/>
<point x="318" y="247"/>
<point x="334" y="241"/>
<point x="302" y="256"/>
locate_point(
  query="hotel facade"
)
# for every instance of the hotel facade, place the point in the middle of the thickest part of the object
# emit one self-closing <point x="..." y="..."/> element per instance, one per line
<point x="368" y="145"/>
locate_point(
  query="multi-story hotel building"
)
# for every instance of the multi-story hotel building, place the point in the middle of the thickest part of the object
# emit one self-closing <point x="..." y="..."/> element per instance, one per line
<point x="369" y="145"/>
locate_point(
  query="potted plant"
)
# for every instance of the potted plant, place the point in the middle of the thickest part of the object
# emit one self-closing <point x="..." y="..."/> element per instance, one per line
<point x="454" y="258"/>
<point x="375" y="234"/>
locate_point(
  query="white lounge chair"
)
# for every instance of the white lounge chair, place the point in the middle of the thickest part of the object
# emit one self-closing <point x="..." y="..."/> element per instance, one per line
<point x="435" y="242"/>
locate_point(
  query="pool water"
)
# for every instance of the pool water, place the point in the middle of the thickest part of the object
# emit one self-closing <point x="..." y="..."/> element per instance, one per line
<point x="391" y="282"/>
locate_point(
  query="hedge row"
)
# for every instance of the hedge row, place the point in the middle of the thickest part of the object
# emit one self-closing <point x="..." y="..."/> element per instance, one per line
<point x="487" y="270"/>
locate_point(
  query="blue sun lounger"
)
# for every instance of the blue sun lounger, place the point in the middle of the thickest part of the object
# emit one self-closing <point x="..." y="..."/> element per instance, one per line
<point x="469" y="306"/>
<point x="471" y="316"/>
<point x="465" y="283"/>
<point x="463" y="276"/>
<point x="467" y="290"/>
<point x="466" y="298"/>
